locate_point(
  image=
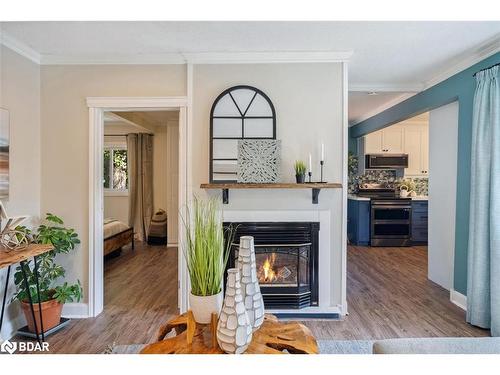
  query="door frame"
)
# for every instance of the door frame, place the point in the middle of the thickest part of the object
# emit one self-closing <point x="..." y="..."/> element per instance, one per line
<point x="97" y="106"/>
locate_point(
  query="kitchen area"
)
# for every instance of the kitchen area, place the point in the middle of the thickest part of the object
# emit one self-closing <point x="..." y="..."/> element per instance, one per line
<point x="388" y="186"/>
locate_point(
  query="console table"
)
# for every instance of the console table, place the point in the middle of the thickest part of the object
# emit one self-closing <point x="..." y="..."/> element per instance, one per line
<point x="10" y="257"/>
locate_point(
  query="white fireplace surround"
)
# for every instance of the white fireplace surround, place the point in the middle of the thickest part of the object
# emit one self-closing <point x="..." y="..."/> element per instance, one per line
<point x="325" y="261"/>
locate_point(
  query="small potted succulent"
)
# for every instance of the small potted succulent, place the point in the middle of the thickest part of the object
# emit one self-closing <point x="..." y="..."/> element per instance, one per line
<point x="206" y="255"/>
<point x="52" y="297"/>
<point x="300" y="171"/>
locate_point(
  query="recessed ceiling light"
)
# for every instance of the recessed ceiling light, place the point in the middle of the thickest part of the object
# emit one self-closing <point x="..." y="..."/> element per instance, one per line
<point x="372" y="93"/>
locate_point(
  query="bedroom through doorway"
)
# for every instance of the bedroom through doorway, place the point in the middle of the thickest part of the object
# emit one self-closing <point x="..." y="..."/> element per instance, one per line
<point x="141" y="205"/>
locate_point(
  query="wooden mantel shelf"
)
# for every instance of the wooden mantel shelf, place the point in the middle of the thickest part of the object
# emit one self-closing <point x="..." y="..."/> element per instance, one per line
<point x="314" y="186"/>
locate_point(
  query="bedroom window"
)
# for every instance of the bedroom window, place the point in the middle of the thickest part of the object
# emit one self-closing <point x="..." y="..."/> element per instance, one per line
<point x="115" y="177"/>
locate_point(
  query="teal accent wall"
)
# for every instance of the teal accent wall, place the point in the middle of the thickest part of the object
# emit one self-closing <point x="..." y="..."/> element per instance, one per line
<point x="352" y="144"/>
<point x="459" y="87"/>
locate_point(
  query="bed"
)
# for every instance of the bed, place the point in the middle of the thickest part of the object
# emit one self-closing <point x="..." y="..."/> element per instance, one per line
<point x="116" y="235"/>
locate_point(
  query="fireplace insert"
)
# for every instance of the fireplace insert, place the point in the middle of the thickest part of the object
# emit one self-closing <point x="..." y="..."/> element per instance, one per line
<point x="287" y="261"/>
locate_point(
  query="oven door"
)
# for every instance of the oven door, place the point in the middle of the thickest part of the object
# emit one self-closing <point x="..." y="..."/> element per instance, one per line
<point x="390" y="223"/>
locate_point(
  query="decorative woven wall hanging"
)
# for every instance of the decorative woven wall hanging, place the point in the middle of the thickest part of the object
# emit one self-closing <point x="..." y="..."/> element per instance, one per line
<point x="259" y="160"/>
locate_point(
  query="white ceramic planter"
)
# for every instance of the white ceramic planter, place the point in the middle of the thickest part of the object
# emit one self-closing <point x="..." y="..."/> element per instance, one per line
<point x="203" y="306"/>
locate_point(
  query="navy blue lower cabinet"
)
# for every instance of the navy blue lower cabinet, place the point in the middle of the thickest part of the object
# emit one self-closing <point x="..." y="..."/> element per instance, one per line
<point x="419" y="222"/>
<point x="358" y="222"/>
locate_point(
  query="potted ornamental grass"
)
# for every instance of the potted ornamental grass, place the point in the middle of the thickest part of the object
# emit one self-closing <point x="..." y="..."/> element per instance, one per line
<point x="206" y="256"/>
<point x="53" y="295"/>
<point x="300" y="171"/>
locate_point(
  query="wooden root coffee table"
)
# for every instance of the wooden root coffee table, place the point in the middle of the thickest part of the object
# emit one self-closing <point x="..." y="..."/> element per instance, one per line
<point x="272" y="337"/>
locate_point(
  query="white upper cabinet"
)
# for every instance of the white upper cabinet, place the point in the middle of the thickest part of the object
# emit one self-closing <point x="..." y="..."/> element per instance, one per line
<point x="389" y="140"/>
<point x="373" y="143"/>
<point x="424" y="151"/>
<point x="392" y="140"/>
<point x="410" y="138"/>
<point x="416" y="145"/>
<point x="413" y="147"/>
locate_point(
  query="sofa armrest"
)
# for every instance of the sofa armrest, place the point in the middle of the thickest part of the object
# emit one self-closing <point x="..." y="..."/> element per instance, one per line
<point x="439" y="345"/>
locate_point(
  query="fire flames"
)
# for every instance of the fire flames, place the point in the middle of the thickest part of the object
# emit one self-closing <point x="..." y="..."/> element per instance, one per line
<point x="269" y="272"/>
<point x="267" y="268"/>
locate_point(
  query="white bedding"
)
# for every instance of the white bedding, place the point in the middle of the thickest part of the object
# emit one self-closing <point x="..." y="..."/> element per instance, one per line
<point x="113" y="226"/>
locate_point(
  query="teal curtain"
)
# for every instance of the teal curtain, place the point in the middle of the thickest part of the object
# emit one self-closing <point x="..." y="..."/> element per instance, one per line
<point x="483" y="278"/>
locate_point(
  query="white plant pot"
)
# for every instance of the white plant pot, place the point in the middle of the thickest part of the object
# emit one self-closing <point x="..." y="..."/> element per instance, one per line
<point x="203" y="306"/>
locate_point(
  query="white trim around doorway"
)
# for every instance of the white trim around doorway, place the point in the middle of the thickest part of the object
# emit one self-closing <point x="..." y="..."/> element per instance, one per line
<point x="97" y="106"/>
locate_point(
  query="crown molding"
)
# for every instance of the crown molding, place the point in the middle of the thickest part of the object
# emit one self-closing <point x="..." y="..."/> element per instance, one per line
<point x="99" y="59"/>
<point x="488" y="48"/>
<point x="200" y="58"/>
<point x="136" y="102"/>
<point x="381" y="108"/>
<point x="267" y="57"/>
<point x="19" y="47"/>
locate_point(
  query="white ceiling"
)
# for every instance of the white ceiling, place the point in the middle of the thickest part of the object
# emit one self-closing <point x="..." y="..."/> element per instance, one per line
<point x="362" y="105"/>
<point x="141" y="119"/>
<point x="387" y="56"/>
<point x="156" y="118"/>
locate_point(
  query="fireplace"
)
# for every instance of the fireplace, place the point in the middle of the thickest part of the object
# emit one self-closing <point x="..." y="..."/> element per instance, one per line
<point x="287" y="261"/>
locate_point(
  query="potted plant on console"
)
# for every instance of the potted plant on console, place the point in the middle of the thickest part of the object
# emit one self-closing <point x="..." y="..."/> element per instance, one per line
<point x="206" y="257"/>
<point x="300" y="171"/>
<point x="52" y="297"/>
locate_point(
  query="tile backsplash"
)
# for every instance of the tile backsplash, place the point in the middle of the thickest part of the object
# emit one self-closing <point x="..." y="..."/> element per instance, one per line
<point x="385" y="176"/>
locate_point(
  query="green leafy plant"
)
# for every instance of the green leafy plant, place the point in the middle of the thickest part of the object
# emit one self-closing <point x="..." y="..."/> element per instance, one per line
<point x="205" y="251"/>
<point x="300" y="167"/>
<point x="64" y="240"/>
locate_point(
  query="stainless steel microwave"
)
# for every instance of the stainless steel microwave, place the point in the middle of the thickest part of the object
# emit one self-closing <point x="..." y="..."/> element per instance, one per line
<point x="386" y="161"/>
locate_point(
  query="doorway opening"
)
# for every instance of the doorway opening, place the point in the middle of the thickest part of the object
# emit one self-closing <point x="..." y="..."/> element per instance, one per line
<point x="401" y="223"/>
<point x="138" y="189"/>
<point x="140" y="197"/>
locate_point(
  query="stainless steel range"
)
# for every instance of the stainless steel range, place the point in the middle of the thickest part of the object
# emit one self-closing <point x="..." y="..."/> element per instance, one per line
<point x="390" y="216"/>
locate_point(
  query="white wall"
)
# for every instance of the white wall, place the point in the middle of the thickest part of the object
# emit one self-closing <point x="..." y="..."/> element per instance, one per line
<point x="166" y="174"/>
<point x="65" y="136"/>
<point x="443" y="137"/>
<point x="20" y="94"/>
<point x="308" y="103"/>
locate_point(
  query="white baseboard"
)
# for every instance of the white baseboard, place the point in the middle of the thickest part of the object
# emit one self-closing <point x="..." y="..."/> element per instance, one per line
<point x="458" y="299"/>
<point x="173" y="244"/>
<point x="75" y="310"/>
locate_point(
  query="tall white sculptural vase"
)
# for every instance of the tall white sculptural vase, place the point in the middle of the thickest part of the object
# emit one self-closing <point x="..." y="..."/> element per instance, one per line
<point x="252" y="296"/>
<point x="234" y="331"/>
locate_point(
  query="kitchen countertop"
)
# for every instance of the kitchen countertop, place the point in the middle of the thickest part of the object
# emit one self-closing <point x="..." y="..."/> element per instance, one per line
<point x="358" y="198"/>
<point x="355" y="197"/>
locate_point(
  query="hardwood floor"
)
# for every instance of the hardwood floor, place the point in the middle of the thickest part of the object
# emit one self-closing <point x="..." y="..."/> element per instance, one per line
<point x="389" y="296"/>
<point x="140" y="293"/>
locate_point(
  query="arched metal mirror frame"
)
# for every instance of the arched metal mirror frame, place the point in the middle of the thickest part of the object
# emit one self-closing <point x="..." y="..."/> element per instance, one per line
<point x="242" y="117"/>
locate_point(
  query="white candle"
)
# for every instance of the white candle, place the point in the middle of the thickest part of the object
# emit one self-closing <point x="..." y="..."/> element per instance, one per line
<point x="322" y="152"/>
<point x="310" y="163"/>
